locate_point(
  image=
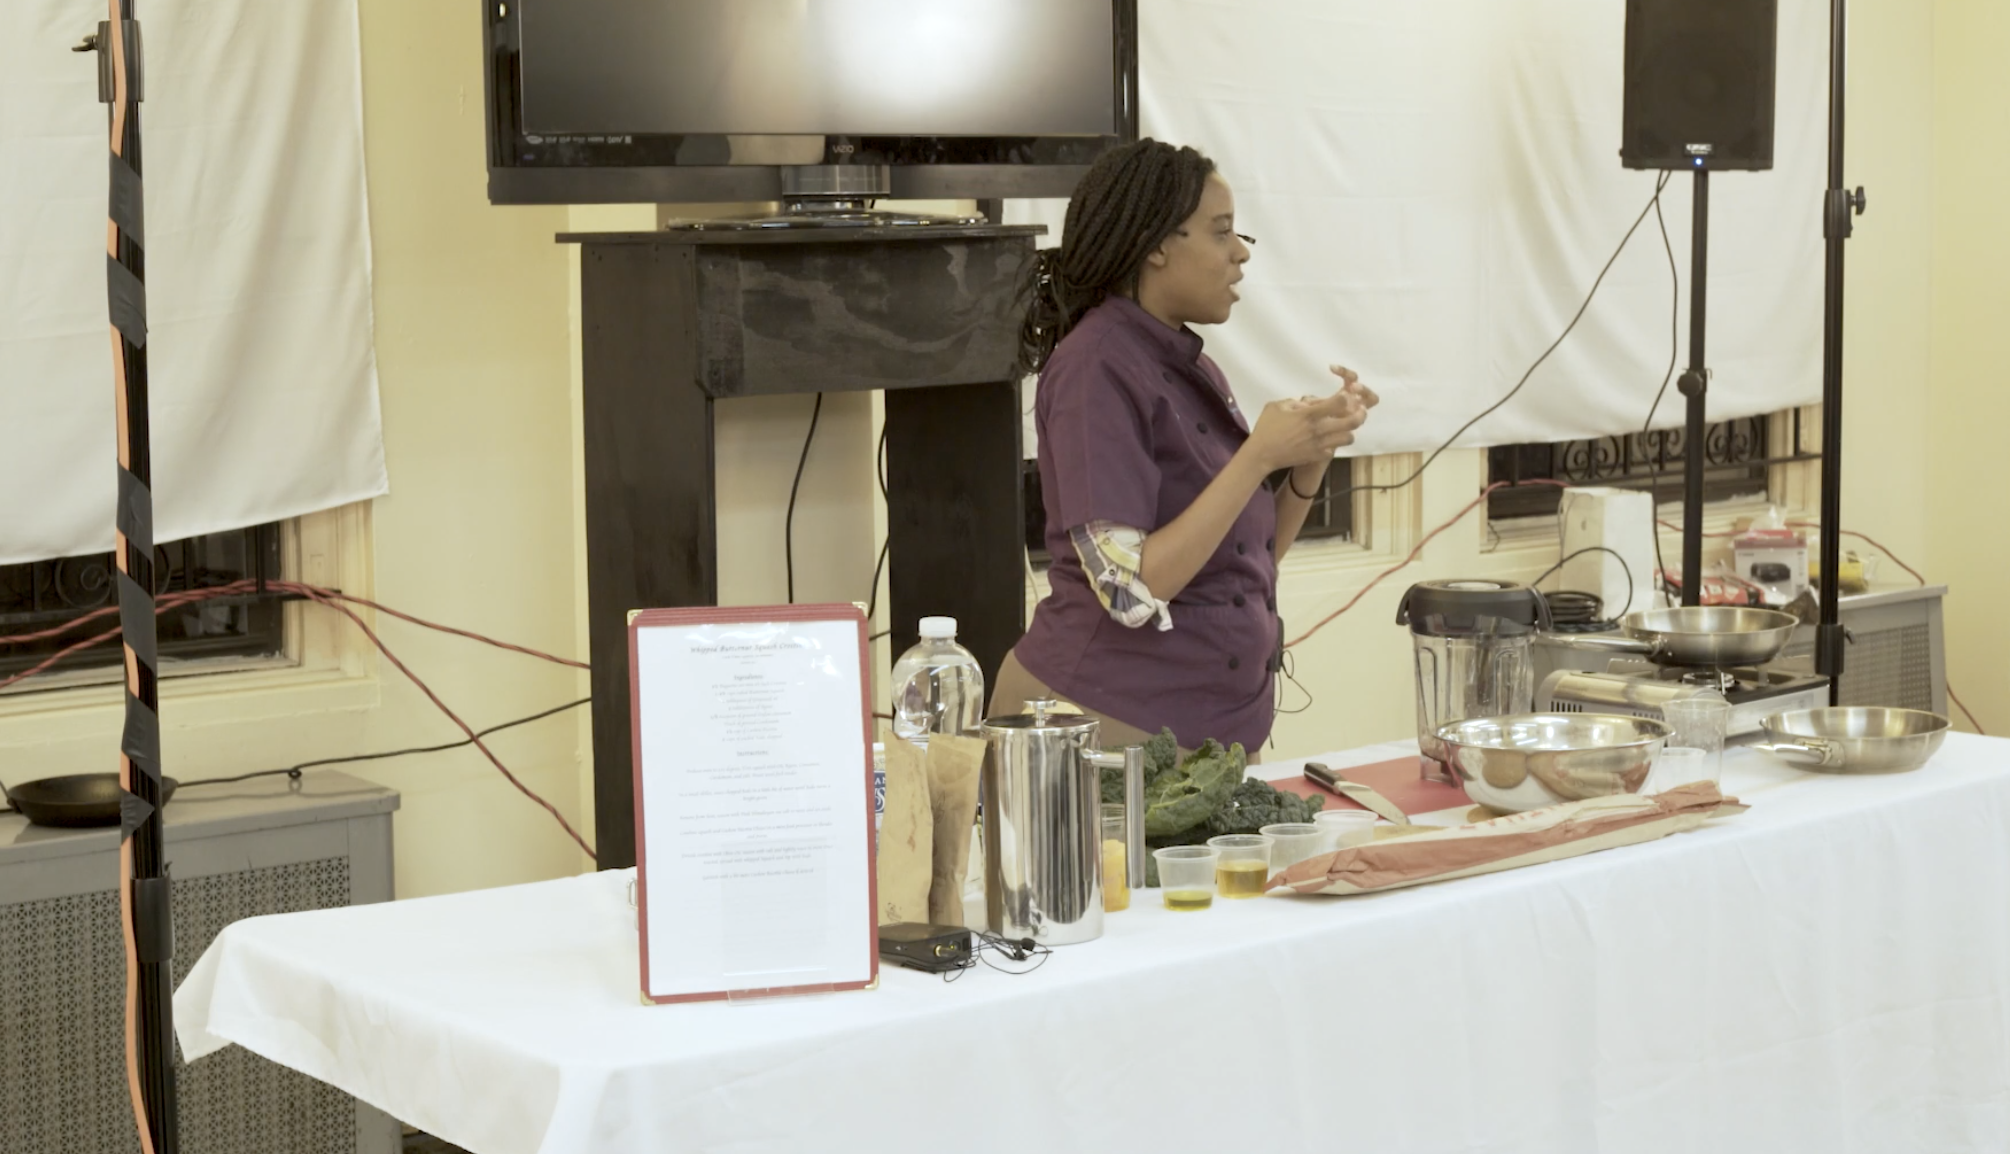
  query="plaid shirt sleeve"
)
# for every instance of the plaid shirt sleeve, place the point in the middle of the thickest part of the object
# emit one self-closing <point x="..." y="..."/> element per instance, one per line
<point x="1112" y="556"/>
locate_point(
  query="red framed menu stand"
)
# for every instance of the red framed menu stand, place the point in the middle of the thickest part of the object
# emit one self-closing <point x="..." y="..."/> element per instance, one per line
<point x="752" y="745"/>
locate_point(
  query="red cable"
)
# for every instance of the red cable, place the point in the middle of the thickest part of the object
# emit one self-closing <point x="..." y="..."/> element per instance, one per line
<point x="525" y="650"/>
<point x="246" y="586"/>
<point x="1672" y="527"/>
<point x="330" y="599"/>
<point x="166" y="602"/>
<point x="1405" y="562"/>
<point x="1896" y="560"/>
<point x="1956" y="699"/>
<point x="58" y="631"/>
<point x="320" y="598"/>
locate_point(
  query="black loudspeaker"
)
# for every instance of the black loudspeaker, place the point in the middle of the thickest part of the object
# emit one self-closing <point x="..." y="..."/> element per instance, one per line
<point x="1699" y="83"/>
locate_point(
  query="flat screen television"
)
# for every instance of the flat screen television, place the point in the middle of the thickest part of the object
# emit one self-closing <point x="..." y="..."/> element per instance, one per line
<point x="665" y="101"/>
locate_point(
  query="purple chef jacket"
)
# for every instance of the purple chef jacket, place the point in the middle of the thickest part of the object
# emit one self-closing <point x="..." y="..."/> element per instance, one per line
<point x="1134" y="422"/>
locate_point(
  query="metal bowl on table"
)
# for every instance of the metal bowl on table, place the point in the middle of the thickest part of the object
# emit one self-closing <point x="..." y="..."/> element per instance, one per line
<point x="1855" y="739"/>
<point x="1531" y="760"/>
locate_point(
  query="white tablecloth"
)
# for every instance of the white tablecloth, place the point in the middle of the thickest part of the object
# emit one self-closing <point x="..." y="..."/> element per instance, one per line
<point x="1829" y="972"/>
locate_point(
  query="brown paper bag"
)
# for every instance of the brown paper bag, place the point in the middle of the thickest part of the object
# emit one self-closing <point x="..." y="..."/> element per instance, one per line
<point x="1511" y="842"/>
<point x="953" y="766"/>
<point x="906" y="836"/>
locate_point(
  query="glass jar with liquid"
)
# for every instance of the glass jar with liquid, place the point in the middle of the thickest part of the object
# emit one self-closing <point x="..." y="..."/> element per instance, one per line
<point x="1116" y="862"/>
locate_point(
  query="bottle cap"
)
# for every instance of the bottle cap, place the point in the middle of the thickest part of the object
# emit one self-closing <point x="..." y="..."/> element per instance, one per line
<point x="939" y="628"/>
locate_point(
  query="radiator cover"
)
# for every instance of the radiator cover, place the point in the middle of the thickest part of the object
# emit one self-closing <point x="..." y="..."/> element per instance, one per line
<point x="235" y="852"/>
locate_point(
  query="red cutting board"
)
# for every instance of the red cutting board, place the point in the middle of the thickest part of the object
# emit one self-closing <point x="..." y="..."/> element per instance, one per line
<point x="1400" y="780"/>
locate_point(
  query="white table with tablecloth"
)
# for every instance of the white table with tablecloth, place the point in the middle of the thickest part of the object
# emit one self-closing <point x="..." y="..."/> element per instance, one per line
<point x="1828" y="972"/>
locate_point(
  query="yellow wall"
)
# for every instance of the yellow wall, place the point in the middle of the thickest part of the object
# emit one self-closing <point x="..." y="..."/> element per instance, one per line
<point x="1968" y="407"/>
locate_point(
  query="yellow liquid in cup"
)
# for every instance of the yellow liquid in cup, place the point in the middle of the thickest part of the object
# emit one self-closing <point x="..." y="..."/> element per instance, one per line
<point x="1189" y="899"/>
<point x="1241" y="879"/>
<point x="1116" y="882"/>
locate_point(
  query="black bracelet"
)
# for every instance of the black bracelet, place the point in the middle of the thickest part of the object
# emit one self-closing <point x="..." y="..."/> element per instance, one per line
<point x="1291" y="482"/>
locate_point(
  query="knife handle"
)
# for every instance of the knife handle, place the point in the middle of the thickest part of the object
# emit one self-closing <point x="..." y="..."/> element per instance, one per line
<point x="1319" y="775"/>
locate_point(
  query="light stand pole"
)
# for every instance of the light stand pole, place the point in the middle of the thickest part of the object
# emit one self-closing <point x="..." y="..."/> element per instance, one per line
<point x="147" y="926"/>
<point x="1695" y="384"/>
<point x="1838" y="207"/>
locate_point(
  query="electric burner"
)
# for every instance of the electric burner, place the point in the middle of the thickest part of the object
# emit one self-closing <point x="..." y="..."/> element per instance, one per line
<point x="1641" y="688"/>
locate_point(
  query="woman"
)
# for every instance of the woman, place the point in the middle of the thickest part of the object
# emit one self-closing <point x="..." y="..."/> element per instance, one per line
<point x="1162" y="520"/>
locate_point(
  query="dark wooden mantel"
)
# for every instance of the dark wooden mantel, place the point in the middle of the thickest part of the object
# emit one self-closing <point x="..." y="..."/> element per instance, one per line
<point x="677" y="319"/>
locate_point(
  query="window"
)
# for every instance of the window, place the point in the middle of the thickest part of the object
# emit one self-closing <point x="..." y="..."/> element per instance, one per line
<point x="1332" y="517"/>
<point x="44" y="595"/>
<point x="1740" y="456"/>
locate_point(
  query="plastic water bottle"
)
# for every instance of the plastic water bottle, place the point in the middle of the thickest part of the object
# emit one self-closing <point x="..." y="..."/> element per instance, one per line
<point x="937" y="685"/>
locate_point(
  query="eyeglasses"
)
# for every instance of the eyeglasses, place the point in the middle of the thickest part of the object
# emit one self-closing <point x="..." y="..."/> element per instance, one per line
<point x="1241" y="236"/>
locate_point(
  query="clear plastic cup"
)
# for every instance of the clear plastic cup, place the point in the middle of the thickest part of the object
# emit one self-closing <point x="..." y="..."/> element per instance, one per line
<point x="1186" y="876"/>
<point x="1244" y="865"/>
<point x="1680" y="765"/>
<point x="1701" y="722"/>
<point x="1292" y="842"/>
<point x="1346" y="828"/>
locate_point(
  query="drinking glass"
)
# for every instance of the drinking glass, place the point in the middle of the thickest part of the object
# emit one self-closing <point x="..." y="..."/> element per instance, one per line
<point x="1116" y="878"/>
<point x="1695" y="750"/>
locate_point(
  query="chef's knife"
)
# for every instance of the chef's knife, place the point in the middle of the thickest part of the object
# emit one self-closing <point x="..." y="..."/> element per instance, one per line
<point x="1365" y="795"/>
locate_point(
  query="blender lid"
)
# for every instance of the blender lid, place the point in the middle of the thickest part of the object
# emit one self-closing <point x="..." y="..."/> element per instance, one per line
<point x="1466" y="606"/>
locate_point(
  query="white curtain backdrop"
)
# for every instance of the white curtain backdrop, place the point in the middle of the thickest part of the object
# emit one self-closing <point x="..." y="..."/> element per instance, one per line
<point x="1434" y="185"/>
<point x="264" y="384"/>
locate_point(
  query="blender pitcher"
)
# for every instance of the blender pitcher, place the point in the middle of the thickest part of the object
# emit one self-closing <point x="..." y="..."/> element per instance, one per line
<point x="1473" y="655"/>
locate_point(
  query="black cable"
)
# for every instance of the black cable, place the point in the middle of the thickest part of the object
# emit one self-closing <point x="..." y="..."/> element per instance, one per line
<point x="1290" y="675"/>
<point x="1674" y="305"/>
<point x="1628" y="569"/>
<point x="294" y="771"/>
<point x="872" y="602"/>
<point x="1575" y="611"/>
<point x="1489" y="411"/>
<point x="789" y="527"/>
<point x="1674" y="344"/>
<point x="1022" y="951"/>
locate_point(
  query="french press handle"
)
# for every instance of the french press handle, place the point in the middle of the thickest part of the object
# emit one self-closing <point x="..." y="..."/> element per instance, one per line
<point x="1132" y="762"/>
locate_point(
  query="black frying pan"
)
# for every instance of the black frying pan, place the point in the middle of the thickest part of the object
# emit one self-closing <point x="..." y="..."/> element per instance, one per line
<point x="79" y="799"/>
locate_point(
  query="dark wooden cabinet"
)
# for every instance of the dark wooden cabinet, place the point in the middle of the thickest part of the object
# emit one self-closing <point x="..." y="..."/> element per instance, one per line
<point x="674" y="320"/>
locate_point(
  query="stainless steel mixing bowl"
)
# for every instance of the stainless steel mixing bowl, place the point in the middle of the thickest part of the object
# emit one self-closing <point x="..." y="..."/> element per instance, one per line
<point x="1530" y="760"/>
<point x="1855" y="739"/>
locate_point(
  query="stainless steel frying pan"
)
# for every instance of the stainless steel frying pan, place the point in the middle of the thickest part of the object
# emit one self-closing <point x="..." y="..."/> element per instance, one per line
<point x="1855" y="739"/>
<point x="79" y="799"/>
<point x="1710" y="636"/>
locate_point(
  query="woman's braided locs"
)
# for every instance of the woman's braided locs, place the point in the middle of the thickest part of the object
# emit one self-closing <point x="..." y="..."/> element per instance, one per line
<point x="1131" y="200"/>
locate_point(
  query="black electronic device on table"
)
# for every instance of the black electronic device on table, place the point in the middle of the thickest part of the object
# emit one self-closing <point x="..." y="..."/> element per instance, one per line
<point x="696" y="101"/>
<point x="919" y="946"/>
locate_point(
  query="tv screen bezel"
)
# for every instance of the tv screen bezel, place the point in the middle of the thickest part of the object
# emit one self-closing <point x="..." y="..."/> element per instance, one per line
<point x="618" y="169"/>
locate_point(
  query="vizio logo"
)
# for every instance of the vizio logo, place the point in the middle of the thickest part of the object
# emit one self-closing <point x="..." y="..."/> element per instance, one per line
<point x="1701" y="149"/>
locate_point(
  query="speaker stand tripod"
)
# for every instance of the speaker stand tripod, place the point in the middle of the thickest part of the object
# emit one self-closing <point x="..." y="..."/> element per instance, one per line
<point x="1695" y="385"/>
<point x="1839" y="206"/>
